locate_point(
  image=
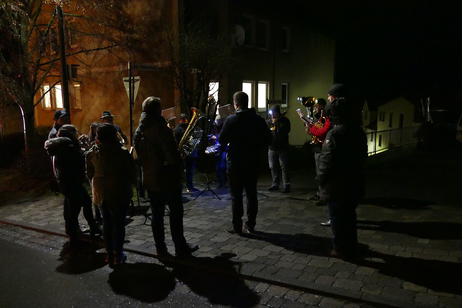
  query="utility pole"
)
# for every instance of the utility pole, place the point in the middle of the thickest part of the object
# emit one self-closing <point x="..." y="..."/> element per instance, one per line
<point x="62" y="50"/>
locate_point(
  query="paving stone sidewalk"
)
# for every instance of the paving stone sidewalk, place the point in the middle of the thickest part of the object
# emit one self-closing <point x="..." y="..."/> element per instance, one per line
<point x="413" y="246"/>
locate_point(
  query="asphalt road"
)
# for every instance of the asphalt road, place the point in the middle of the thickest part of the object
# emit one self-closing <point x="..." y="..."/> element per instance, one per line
<point x="39" y="277"/>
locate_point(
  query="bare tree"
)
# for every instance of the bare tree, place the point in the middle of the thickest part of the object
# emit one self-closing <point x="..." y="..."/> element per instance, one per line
<point x="29" y="53"/>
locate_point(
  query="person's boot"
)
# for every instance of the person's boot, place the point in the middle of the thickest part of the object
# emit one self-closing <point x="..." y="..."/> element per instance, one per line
<point x="286" y="188"/>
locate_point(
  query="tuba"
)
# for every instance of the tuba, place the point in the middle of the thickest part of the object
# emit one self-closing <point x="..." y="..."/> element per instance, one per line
<point x="188" y="142"/>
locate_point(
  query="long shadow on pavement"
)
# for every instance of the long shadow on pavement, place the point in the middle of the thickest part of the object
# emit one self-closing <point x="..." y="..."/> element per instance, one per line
<point x="437" y="275"/>
<point x="81" y="259"/>
<point x="440" y="276"/>
<point x="426" y="230"/>
<point x="142" y="281"/>
<point x="398" y="203"/>
<point x="225" y="287"/>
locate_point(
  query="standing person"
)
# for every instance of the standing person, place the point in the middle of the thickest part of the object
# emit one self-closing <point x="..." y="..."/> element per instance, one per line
<point x="319" y="132"/>
<point x="190" y="160"/>
<point x="222" y="150"/>
<point x="341" y="175"/>
<point x="61" y="117"/>
<point x="246" y="134"/>
<point x="112" y="171"/>
<point x="162" y="176"/>
<point x="69" y="169"/>
<point x="108" y="117"/>
<point x="278" y="152"/>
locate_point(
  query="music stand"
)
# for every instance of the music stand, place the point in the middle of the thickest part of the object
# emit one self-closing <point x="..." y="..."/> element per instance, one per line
<point x="207" y="188"/>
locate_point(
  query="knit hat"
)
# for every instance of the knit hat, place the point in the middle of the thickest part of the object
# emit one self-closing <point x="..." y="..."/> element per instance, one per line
<point x="337" y="90"/>
<point x="60" y="113"/>
<point x="107" y="114"/>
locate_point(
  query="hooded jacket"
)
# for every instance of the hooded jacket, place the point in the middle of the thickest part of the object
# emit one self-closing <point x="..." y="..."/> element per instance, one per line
<point x="68" y="162"/>
<point x="156" y="146"/>
<point x="246" y="133"/>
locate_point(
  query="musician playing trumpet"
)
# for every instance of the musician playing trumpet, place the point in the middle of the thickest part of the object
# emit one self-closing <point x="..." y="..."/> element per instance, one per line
<point x="278" y="152"/>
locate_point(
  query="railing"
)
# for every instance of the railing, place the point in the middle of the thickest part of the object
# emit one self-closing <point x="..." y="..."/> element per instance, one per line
<point x="385" y="140"/>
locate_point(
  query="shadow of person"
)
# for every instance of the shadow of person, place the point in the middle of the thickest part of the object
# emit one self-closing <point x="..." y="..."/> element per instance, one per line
<point x="218" y="279"/>
<point x="142" y="281"/>
<point x="80" y="259"/>
<point x="439" y="276"/>
<point x="397" y="203"/>
<point x="299" y="242"/>
<point x="427" y="229"/>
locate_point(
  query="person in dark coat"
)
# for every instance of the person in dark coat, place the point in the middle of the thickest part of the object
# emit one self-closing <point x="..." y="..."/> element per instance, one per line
<point x="162" y="166"/>
<point x="60" y="117"/>
<point x="246" y="134"/>
<point x="112" y="171"/>
<point x="341" y="175"/>
<point x="69" y="169"/>
<point x="278" y="152"/>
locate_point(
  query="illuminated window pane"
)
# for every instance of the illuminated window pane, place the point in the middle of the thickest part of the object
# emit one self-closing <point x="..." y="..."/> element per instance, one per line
<point x="58" y="96"/>
<point x="46" y="97"/>
<point x="213" y="89"/>
<point x="262" y="94"/>
<point x="247" y="88"/>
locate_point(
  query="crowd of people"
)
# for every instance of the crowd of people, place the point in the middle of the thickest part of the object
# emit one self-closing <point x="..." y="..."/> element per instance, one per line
<point x="101" y="158"/>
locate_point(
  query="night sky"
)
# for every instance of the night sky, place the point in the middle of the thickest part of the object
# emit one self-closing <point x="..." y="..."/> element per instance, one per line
<point x="391" y="48"/>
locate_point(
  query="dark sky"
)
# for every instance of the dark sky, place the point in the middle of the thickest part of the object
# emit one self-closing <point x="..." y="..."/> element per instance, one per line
<point x="390" y="48"/>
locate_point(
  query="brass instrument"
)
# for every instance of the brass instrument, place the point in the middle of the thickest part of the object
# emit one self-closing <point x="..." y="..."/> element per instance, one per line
<point x="188" y="142"/>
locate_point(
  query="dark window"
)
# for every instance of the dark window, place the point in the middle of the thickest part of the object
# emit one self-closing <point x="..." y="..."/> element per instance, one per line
<point x="285" y="93"/>
<point x="262" y="34"/>
<point x="401" y="120"/>
<point x="52" y="40"/>
<point x="247" y="24"/>
<point x="285" y="39"/>
<point x="390" y="120"/>
<point x="380" y="140"/>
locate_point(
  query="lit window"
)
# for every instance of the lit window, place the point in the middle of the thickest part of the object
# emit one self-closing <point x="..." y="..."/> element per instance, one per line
<point x="262" y="94"/>
<point x="58" y="97"/>
<point x="46" y="100"/>
<point x="213" y="89"/>
<point x="247" y="87"/>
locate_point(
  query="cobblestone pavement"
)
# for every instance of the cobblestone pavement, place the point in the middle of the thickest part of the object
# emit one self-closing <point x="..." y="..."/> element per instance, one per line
<point x="409" y="224"/>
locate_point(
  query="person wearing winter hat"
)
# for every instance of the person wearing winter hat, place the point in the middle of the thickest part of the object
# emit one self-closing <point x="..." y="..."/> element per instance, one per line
<point x="108" y="117"/>
<point x="340" y="175"/>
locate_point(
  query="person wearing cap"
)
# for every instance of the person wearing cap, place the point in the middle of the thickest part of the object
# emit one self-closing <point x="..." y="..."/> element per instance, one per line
<point x="108" y="117"/>
<point x="341" y="175"/>
<point x="162" y="176"/>
<point x="190" y="160"/>
<point x="247" y="135"/>
<point x="320" y="134"/>
<point x="278" y="151"/>
<point x="61" y="117"/>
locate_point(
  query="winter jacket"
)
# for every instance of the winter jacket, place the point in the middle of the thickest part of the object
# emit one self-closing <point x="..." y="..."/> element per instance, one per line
<point x="68" y="162"/>
<point x="111" y="168"/>
<point x="156" y="146"/>
<point x="280" y="134"/>
<point x="343" y="154"/>
<point x="247" y="134"/>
